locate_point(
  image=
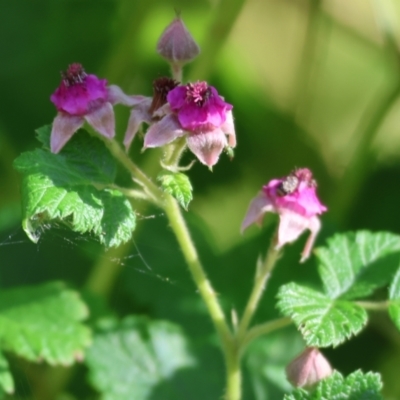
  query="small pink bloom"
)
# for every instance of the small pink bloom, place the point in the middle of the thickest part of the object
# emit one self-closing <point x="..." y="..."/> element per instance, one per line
<point x="145" y="108"/>
<point x="308" y="368"/>
<point x="83" y="97"/>
<point x="294" y="198"/>
<point x="197" y="111"/>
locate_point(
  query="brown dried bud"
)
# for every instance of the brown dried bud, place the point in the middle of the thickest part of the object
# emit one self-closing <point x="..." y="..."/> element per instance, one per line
<point x="308" y="368"/>
<point x="176" y="44"/>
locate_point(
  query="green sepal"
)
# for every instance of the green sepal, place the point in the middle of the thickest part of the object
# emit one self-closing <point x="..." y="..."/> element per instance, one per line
<point x="177" y="185"/>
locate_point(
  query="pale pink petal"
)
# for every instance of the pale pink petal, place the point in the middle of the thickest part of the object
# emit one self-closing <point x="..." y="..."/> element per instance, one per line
<point x="138" y="115"/>
<point x="291" y="226"/>
<point x="64" y="126"/>
<point x="207" y="146"/>
<point x="258" y="206"/>
<point x="314" y="225"/>
<point x="117" y="96"/>
<point x="163" y="132"/>
<point x="228" y="128"/>
<point x="102" y="120"/>
<point x="162" y="111"/>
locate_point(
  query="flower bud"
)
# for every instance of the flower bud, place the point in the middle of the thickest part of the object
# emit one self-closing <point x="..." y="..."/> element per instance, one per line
<point x="308" y="368"/>
<point x="176" y="44"/>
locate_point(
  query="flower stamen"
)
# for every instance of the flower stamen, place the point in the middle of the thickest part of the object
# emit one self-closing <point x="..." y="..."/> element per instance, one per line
<point x="73" y="75"/>
<point x="198" y="93"/>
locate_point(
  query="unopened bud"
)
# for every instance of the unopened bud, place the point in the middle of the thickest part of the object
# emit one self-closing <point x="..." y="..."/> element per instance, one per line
<point x="308" y="368"/>
<point x="176" y="44"/>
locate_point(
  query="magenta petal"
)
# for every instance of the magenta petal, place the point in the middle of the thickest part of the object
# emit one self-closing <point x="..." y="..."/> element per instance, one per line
<point x="177" y="97"/>
<point x="163" y="132"/>
<point x="102" y="120"/>
<point x="64" y="126"/>
<point x="258" y="206"/>
<point x="117" y="96"/>
<point x="207" y="146"/>
<point x="138" y="115"/>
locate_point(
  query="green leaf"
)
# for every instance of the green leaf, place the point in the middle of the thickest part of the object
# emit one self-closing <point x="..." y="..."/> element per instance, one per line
<point x="178" y="185"/>
<point x="66" y="187"/>
<point x="354" y="265"/>
<point x="357" y="386"/>
<point x="321" y="320"/>
<point x="6" y="380"/>
<point x="394" y="300"/>
<point x="131" y="359"/>
<point x="43" y="323"/>
<point x="84" y="160"/>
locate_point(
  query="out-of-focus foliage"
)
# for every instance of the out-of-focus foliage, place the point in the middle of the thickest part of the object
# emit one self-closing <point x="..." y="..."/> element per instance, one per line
<point x="313" y="83"/>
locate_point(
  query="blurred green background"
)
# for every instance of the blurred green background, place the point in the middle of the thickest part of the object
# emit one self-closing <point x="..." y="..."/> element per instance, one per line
<point x="313" y="83"/>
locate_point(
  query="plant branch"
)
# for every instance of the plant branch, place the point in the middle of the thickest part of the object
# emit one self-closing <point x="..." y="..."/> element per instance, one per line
<point x="264" y="329"/>
<point x="263" y="273"/>
<point x="373" y="305"/>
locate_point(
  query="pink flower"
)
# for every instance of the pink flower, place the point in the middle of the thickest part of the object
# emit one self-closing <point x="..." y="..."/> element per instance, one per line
<point x="198" y="112"/>
<point x="83" y="97"/>
<point x="294" y="198"/>
<point x="145" y="107"/>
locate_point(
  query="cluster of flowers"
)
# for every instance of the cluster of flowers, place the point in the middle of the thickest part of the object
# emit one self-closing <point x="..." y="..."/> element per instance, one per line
<point x="194" y="111"/>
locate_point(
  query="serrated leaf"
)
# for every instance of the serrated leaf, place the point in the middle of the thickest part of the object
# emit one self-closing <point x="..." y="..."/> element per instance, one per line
<point x="394" y="300"/>
<point x="178" y="185"/>
<point x="354" y="265"/>
<point x="61" y="187"/>
<point x="130" y="359"/>
<point x="322" y="321"/>
<point x="6" y="379"/>
<point x="84" y="160"/>
<point x="357" y="386"/>
<point x="43" y="323"/>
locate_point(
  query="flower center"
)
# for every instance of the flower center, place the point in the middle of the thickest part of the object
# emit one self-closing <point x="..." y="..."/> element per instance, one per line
<point x="73" y="75"/>
<point x="161" y="87"/>
<point x="198" y="93"/>
<point x="288" y="185"/>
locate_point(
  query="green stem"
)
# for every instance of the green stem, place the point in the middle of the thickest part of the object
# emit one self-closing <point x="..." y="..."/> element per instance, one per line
<point x="264" y="329"/>
<point x="174" y="154"/>
<point x="373" y="305"/>
<point x="208" y="294"/>
<point x="263" y="272"/>
<point x="177" y="71"/>
<point x="233" y="375"/>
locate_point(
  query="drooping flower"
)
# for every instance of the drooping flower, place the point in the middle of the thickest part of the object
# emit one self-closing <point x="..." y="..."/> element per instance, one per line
<point x="176" y="44"/>
<point x="294" y="198"/>
<point x="145" y="108"/>
<point x="83" y="97"/>
<point x="308" y="368"/>
<point x="196" y="111"/>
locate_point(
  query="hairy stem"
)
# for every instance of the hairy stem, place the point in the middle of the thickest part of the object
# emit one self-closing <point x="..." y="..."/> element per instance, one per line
<point x="262" y="275"/>
<point x="264" y="329"/>
<point x="373" y="305"/>
<point x="209" y="296"/>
